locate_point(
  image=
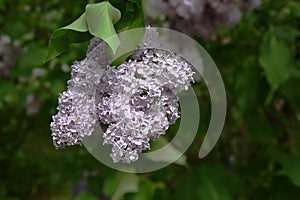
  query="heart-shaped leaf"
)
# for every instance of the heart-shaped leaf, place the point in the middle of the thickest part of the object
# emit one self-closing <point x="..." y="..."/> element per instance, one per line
<point x="98" y="20"/>
<point x="61" y="38"/>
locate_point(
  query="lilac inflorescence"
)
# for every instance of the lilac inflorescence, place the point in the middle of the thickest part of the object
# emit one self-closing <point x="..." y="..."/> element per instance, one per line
<point x="8" y="54"/>
<point x="137" y="100"/>
<point x="76" y="117"/>
<point x="200" y="17"/>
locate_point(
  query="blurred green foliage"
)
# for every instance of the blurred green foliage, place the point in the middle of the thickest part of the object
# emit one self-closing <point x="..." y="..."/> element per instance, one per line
<point x="257" y="157"/>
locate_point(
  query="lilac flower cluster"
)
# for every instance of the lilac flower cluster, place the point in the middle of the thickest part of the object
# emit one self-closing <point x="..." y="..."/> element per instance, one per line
<point x="201" y="17"/>
<point x="8" y="53"/>
<point x="137" y="100"/>
<point x="76" y="115"/>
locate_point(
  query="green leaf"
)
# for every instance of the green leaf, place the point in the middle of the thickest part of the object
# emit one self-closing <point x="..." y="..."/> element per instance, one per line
<point x="61" y="39"/>
<point x="119" y="4"/>
<point x="100" y="19"/>
<point x="110" y="183"/>
<point x="7" y="88"/>
<point x="254" y="95"/>
<point x="2" y="5"/>
<point x="86" y="196"/>
<point x="168" y="154"/>
<point x="78" y="25"/>
<point x="132" y="17"/>
<point x="290" y="167"/>
<point x="128" y="183"/>
<point x="31" y="57"/>
<point x="276" y="60"/>
<point x="147" y="189"/>
<point x="283" y="189"/>
<point x="207" y="181"/>
<point x="291" y="90"/>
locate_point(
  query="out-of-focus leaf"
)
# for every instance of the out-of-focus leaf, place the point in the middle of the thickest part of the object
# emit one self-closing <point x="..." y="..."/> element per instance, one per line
<point x="120" y="5"/>
<point x="168" y="154"/>
<point x="290" y="167"/>
<point x="2" y="5"/>
<point x="147" y="189"/>
<point x="259" y="128"/>
<point x="5" y="92"/>
<point x="276" y="60"/>
<point x="110" y="184"/>
<point x="132" y="17"/>
<point x="128" y="183"/>
<point x="291" y="90"/>
<point x="30" y="58"/>
<point x="283" y="189"/>
<point x="251" y="90"/>
<point x="208" y="181"/>
<point x="254" y="94"/>
<point x="86" y="196"/>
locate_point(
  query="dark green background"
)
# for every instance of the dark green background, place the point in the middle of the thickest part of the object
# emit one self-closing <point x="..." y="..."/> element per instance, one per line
<point x="257" y="156"/>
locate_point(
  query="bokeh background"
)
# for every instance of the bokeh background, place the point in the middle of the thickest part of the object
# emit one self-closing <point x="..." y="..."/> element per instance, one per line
<point x="255" y="44"/>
